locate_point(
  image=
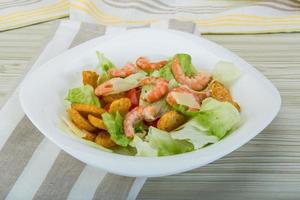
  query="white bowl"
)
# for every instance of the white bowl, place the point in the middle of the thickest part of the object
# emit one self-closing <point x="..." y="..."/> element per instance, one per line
<point x="43" y="91"/>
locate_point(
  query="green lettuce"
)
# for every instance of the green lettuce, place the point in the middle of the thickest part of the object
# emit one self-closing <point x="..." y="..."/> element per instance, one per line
<point x="194" y="133"/>
<point x="145" y="89"/>
<point x="114" y="124"/>
<point x="184" y="110"/>
<point x="173" y="83"/>
<point x="165" y="144"/>
<point x="226" y="72"/>
<point x="185" y="61"/>
<point x="84" y="94"/>
<point x="143" y="148"/>
<point x="130" y="151"/>
<point x="218" y="117"/>
<point x="104" y="64"/>
<point x="140" y="127"/>
<point x="165" y="72"/>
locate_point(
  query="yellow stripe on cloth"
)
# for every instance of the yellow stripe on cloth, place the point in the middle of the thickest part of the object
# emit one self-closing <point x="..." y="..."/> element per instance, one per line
<point x="102" y="17"/>
<point x="238" y="17"/>
<point x="28" y="17"/>
<point x="211" y="17"/>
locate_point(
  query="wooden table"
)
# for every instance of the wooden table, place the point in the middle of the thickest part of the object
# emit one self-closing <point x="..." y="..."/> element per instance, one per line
<point x="268" y="167"/>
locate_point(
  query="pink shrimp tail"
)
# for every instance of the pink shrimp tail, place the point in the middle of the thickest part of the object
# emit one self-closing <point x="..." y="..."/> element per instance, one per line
<point x="104" y="88"/>
<point x="145" y="64"/>
<point x="123" y="72"/>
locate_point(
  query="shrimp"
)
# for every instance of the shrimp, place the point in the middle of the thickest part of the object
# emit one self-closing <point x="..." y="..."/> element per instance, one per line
<point x="158" y="91"/>
<point x="199" y="96"/>
<point x="148" y="113"/>
<point x="123" y="72"/>
<point x="105" y="88"/>
<point x="145" y="64"/>
<point x="198" y="82"/>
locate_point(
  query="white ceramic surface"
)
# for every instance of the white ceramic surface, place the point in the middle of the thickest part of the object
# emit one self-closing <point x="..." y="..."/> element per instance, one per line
<point x="43" y="91"/>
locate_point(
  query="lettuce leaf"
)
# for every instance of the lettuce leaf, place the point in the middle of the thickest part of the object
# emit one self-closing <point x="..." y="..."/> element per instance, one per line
<point x="185" y="61"/>
<point x="104" y="64"/>
<point x="173" y="83"/>
<point x="143" y="148"/>
<point x="130" y="151"/>
<point x="184" y="110"/>
<point x="84" y="94"/>
<point x="165" y="144"/>
<point x="226" y="72"/>
<point x="194" y="133"/>
<point x="114" y="126"/>
<point x="218" y="117"/>
<point x="145" y="89"/>
<point x="140" y="127"/>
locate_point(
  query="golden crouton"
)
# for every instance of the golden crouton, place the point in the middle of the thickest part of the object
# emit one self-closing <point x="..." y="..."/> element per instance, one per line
<point x="236" y="105"/>
<point x="112" y="97"/>
<point x="170" y="121"/>
<point x="121" y="105"/>
<point x="88" y="135"/>
<point x="97" y="122"/>
<point x="90" y="78"/>
<point x="80" y="121"/>
<point x="103" y="139"/>
<point x="86" y="109"/>
<point x="221" y="93"/>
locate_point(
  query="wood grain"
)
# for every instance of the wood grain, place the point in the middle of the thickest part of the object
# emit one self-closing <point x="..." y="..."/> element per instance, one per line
<point x="17" y="48"/>
<point x="268" y="167"/>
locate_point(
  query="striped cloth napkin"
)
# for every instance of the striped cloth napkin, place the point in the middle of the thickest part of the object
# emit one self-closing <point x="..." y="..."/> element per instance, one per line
<point x="222" y="16"/>
<point x="31" y="166"/>
<point x="19" y="13"/>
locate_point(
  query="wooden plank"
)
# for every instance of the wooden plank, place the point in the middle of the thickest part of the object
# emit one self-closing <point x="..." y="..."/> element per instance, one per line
<point x="17" y="47"/>
<point x="268" y="167"/>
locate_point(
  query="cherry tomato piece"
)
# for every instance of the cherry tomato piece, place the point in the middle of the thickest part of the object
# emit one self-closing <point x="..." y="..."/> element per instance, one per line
<point x="133" y="96"/>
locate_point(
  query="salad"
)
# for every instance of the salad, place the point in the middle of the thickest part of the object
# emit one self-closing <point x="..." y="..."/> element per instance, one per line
<point x="151" y="108"/>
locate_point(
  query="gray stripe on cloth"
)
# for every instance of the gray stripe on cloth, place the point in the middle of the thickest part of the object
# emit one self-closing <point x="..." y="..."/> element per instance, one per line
<point x="87" y="32"/>
<point x="138" y="26"/>
<point x="113" y="187"/>
<point x="182" y="25"/>
<point x="16" y="153"/>
<point x="60" y="178"/>
<point x="9" y="4"/>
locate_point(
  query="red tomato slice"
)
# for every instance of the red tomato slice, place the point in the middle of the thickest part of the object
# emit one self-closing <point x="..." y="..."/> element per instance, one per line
<point x="133" y="96"/>
<point x="154" y="123"/>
